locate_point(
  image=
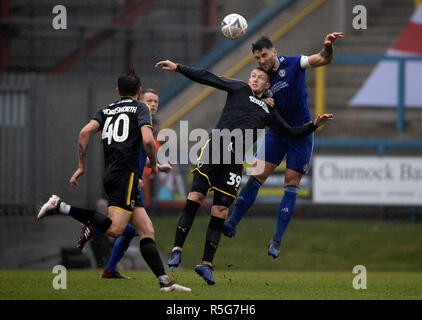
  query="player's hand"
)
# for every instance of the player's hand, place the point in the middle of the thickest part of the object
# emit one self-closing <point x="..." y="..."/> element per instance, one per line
<point x="166" y="167"/>
<point x="331" y="38"/>
<point x="140" y="184"/>
<point x="73" y="180"/>
<point x="322" y="119"/>
<point x="269" y="101"/>
<point x="154" y="171"/>
<point x="167" y="65"/>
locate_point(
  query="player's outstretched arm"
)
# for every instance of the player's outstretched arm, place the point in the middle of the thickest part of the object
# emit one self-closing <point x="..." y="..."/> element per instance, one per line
<point x="84" y="135"/>
<point x="202" y="76"/>
<point x="325" y="56"/>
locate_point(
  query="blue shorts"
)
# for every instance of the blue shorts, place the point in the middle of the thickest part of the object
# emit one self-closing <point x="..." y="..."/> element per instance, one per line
<point x="141" y="197"/>
<point x="299" y="152"/>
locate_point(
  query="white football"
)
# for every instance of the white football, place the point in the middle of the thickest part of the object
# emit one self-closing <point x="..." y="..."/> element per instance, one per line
<point x="234" y="26"/>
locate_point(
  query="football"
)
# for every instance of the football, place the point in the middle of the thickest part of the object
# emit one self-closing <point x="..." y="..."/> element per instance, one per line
<point x="234" y="26"/>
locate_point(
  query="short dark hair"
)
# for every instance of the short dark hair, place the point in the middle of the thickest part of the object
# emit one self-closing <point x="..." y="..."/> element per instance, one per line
<point x="128" y="83"/>
<point x="263" y="42"/>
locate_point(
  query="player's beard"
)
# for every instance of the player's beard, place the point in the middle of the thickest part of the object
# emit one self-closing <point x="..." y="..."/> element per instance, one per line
<point x="273" y="64"/>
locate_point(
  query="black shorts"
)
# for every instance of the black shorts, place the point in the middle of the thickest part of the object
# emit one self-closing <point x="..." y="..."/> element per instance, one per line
<point x="121" y="188"/>
<point x="221" y="177"/>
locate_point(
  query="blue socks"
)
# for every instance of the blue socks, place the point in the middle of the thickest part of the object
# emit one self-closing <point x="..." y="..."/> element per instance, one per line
<point x="285" y="211"/>
<point x="245" y="200"/>
<point x="120" y="246"/>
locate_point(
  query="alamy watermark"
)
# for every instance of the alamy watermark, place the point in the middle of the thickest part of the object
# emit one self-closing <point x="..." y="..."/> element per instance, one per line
<point x="60" y="281"/>
<point x="60" y="20"/>
<point x="359" y="281"/>
<point x="200" y="147"/>
<point x="360" y="21"/>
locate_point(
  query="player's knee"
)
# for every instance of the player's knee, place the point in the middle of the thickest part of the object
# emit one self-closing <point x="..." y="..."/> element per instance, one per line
<point x="292" y="181"/>
<point x="115" y="231"/>
<point x="147" y="232"/>
<point x="220" y="211"/>
<point x="261" y="177"/>
<point x="263" y="170"/>
<point x="292" y="178"/>
<point x="196" y="196"/>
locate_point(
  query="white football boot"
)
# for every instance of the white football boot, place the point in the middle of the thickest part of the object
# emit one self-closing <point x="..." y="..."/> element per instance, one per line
<point x="168" y="285"/>
<point x="51" y="207"/>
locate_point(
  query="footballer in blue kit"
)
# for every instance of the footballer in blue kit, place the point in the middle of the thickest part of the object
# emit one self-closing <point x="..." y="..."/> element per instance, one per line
<point x="288" y="89"/>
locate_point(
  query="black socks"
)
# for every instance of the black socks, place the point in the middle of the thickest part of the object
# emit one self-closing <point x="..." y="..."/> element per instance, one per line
<point x="185" y="222"/>
<point x="151" y="256"/>
<point x="215" y="228"/>
<point x="91" y="218"/>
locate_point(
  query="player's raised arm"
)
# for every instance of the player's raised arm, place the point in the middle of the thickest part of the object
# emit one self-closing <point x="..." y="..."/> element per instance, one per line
<point x="202" y="76"/>
<point x="326" y="54"/>
<point x="84" y="135"/>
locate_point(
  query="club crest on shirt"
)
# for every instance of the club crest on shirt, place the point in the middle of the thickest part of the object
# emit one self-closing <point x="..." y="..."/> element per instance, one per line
<point x="282" y="73"/>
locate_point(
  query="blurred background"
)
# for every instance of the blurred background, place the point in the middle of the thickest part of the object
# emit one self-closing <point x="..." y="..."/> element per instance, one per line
<point x="367" y="164"/>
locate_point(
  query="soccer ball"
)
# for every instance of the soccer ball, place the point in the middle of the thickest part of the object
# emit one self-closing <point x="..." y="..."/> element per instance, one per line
<point x="234" y="26"/>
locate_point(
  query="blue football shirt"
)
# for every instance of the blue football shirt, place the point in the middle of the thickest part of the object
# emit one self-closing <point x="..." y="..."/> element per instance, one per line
<point x="288" y="87"/>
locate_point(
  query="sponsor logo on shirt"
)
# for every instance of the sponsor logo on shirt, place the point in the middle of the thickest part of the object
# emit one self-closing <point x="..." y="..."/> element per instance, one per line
<point x="260" y="103"/>
<point x="278" y="86"/>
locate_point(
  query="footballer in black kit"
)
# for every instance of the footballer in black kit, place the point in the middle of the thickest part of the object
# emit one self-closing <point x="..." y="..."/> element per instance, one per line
<point x="124" y="125"/>
<point x="119" y="124"/>
<point x="244" y="110"/>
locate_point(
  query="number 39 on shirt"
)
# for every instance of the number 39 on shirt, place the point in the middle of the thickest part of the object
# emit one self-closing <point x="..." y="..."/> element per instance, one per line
<point x="234" y="179"/>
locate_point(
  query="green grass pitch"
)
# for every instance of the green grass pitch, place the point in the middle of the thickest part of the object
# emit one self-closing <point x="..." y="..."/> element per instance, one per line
<point x="230" y="285"/>
<point x="316" y="262"/>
